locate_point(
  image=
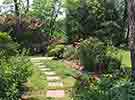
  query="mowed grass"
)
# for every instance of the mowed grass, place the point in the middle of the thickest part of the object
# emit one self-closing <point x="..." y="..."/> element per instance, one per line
<point x="37" y="81"/>
<point x="37" y="85"/>
<point x="126" y="62"/>
<point x="122" y="55"/>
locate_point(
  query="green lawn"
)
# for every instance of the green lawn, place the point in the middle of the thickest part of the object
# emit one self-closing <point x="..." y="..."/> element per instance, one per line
<point x="125" y="58"/>
<point x="37" y="81"/>
<point x="37" y="85"/>
<point x="121" y="54"/>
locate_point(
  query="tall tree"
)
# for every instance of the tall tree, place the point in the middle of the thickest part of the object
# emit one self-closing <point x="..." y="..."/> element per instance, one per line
<point x="47" y="10"/>
<point x="56" y="6"/>
<point x="131" y="23"/>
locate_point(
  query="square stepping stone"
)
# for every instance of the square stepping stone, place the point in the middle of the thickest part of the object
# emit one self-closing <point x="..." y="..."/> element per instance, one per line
<point x="35" y="61"/>
<point x="55" y="84"/>
<point x="38" y="63"/>
<point x="55" y="93"/>
<point x="53" y="78"/>
<point x="42" y="66"/>
<point x="45" y="69"/>
<point x="50" y="73"/>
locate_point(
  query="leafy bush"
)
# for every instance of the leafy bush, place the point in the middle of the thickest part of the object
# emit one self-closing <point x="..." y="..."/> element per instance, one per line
<point x="4" y="37"/>
<point x="56" y="51"/>
<point x="92" y="52"/>
<point x="97" y="56"/>
<point x="58" y="34"/>
<point x="14" y="71"/>
<point x="112" y="59"/>
<point x="7" y="45"/>
<point x="71" y="53"/>
<point x="107" y="88"/>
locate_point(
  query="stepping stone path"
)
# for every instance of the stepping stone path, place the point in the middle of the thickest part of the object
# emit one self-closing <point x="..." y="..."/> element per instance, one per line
<point x="53" y="81"/>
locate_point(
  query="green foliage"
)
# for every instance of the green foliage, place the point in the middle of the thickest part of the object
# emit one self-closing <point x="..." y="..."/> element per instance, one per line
<point x="71" y="53"/>
<point x="97" y="8"/>
<point x="92" y="52"/>
<point x="113" y="59"/>
<point x="48" y="11"/>
<point x="7" y="46"/>
<point x="111" y="31"/>
<point x="4" y="37"/>
<point x="42" y="8"/>
<point x="104" y="19"/>
<point x="107" y="87"/>
<point x="14" y="71"/>
<point x="56" y="50"/>
<point x="95" y="54"/>
<point x="80" y="22"/>
<point x="58" y="34"/>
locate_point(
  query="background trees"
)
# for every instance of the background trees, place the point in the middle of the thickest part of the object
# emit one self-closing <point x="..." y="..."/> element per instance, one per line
<point x="100" y="18"/>
<point x="104" y="19"/>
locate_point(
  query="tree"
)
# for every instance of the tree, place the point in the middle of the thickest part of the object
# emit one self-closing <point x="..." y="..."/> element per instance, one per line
<point x="20" y="8"/>
<point x="47" y="10"/>
<point x="131" y="23"/>
<point x="104" y="19"/>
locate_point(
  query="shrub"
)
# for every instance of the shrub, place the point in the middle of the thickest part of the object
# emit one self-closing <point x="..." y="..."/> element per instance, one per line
<point x="56" y="51"/>
<point x="112" y="59"/>
<point x="7" y="46"/>
<point x="92" y="52"/>
<point x="4" y="37"/>
<point x="71" y="53"/>
<point x="14" y="71"/>
<point x="107" y="88"/>
<point x="58" y="34"/>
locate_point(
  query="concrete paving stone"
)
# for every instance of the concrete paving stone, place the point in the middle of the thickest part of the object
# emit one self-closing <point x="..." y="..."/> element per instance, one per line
<point x="51" y="78"/>
<point x="50" y="73"/>
<point x="55" y="93"/>
<point x="42" y="66"/>
<point x="38" y="63"/>
<point x="45" y="69"/>
<point x="42" y="58"/>
<point x="55" y="84"/>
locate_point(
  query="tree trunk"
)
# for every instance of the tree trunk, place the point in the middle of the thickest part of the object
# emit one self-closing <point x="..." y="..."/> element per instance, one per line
<point x="16" y="7"/>
<point x="18" y="20"/>
<point x="131" y="37"/>
<point x="28" y="6"/>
